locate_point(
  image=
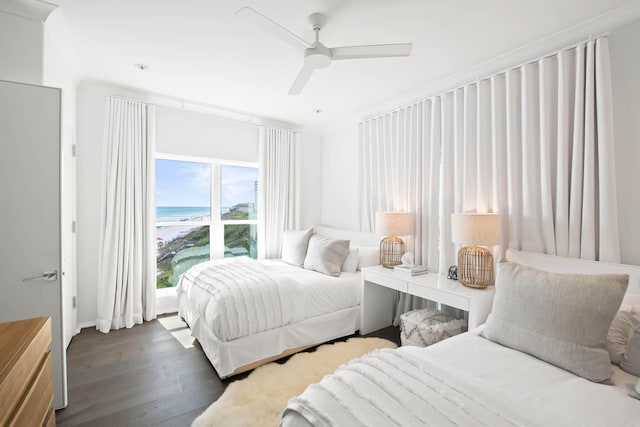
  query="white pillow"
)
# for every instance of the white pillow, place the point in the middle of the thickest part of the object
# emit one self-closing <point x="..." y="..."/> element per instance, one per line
<point x="631" y="361"/>
<point x="325" y="255"/>
<point x="619" y="334"/>
<point x="294" y="246"/>
<point x="368" y="256"/>
<point x="350" y="264"/>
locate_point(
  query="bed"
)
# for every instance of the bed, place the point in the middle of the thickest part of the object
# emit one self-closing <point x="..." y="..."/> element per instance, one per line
<point x="271" y="309"/>
<point x="472" y="380"/>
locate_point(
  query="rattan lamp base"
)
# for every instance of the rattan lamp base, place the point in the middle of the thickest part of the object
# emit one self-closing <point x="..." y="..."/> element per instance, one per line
<point x="391" y="251"/>
<point x="475" y="267"/>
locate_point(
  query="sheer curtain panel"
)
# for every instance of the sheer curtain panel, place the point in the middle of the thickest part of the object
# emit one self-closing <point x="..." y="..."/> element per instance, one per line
<point x="276" y="188"/>
<point x="127" y="283"/>
<point x="534" y="143"/>
<point x="400" y="171"/>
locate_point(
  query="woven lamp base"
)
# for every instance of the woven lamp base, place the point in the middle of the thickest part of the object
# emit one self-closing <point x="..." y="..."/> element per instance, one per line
<point x="475" y="267"/>
<point x="391" y="251"/>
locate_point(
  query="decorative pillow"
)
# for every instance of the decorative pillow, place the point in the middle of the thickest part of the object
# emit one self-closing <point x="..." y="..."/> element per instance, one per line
<point x="631" y="299"/>
<point x="368" y="256"/>
<point x="325" y="255"/>
<point x="294" y="246"/>
<point x="351" y="263"/>
<point x="631" y="361"/>
<point x="562" y="319"/>
<point x="619" y="334"/>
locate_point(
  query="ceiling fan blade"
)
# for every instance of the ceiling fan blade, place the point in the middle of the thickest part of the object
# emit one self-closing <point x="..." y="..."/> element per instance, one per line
<point x="301" y="80"/>
<point x="371" y="51"/>
<point x="256" y="18"/>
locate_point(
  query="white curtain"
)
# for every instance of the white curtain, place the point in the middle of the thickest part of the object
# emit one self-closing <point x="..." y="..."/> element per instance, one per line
<point x="534" y="143"/>
<point x="399" y="166"/>
<point x="276" y="188"/>
<point x="127" y="280"/>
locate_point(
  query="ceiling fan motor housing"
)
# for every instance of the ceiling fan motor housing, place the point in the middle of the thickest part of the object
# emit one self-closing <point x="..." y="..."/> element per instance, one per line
<point x="318" y="56"/>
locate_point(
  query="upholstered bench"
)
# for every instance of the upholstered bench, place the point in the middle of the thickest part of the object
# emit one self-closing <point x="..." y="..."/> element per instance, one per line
<point x="425" y="327"/>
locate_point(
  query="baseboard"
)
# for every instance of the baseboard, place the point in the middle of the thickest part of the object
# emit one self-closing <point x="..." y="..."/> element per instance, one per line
<point x="82" y="325"/>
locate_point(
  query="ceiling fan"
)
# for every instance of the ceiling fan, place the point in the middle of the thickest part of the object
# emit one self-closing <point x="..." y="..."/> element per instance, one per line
<point x="317" y="55"/>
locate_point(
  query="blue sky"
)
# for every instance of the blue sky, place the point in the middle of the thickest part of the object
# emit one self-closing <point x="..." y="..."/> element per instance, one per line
<point x="180" y="183"/>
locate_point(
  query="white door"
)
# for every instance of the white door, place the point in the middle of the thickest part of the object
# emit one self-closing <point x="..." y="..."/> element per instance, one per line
<point x="30" y="213"/>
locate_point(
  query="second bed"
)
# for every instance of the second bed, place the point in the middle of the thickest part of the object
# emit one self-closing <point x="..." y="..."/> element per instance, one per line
<point x="245" y="313"/>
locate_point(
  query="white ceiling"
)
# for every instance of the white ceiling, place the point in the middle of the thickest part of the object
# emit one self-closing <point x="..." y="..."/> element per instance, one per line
<point x="198" y="51"/>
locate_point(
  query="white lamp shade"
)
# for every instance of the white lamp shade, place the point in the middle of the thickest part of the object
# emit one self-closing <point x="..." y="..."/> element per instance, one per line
<point x="476" y="229"/>
<point x="393" y="223"/>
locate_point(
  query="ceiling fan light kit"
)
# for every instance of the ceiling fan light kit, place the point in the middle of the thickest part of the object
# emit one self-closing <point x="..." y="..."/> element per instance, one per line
<point x="317" y="55"/>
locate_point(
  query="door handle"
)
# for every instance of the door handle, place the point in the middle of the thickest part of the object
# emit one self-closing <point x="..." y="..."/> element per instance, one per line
<point x="47" y="276"/>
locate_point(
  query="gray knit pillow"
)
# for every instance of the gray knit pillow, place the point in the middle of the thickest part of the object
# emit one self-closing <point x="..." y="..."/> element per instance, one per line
<point x="326" y="255"/>
<point x="562" y="319"/>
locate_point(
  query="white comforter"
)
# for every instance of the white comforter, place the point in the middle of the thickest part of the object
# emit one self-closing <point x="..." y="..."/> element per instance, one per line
<point x="464" y="376"/>
<point x="238" y="297"/>
<point x="393" y="388"/>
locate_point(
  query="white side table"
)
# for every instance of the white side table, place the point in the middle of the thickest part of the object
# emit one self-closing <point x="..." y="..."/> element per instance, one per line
<point x="379" y="285"/>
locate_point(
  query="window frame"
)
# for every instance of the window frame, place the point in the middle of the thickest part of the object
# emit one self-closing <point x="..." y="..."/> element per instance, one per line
<point x="216" y="223"/>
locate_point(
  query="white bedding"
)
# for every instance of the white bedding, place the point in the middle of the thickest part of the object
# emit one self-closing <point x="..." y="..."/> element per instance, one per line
<point x="239" y="297"/>
<point x="321" y="293"/>
<point x="540" y="394"/>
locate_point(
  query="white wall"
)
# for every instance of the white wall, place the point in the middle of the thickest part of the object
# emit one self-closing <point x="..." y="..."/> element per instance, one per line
<point x="21" y="47"/>
<point x="177" y="132"/>
<point x="309" y="179"/>
<point x="58" y="71"/>
<point x="340" y="179"/>
<point x="340" y="151"/>
<point x="91" y="108"/>
<point x="625" y="69"/>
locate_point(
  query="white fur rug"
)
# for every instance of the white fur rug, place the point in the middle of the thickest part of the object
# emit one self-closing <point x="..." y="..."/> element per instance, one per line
<point x="259" y="399"/>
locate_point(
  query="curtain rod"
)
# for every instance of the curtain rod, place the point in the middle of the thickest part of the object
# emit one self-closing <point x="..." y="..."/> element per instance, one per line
<point x="538" y="59"/>
<point x="498" y="73"/>
<point x="250" y="120"/>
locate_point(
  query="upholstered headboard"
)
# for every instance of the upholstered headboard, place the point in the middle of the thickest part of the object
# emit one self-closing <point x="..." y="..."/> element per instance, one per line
<point x="558" y="264"/>
<point x="357" y="238"/>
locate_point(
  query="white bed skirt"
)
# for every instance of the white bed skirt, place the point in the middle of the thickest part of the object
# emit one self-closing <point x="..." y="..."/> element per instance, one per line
<point x="227" y="356"/>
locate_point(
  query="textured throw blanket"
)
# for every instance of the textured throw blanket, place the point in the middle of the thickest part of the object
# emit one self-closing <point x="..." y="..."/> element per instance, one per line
<point x="394" y="388"/>
<point x="239" y="296"/>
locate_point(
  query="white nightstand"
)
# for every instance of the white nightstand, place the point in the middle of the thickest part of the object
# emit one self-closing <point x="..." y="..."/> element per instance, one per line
<point x="379" y="285"/>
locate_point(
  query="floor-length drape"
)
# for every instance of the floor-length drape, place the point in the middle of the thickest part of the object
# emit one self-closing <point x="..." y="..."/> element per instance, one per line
<point x="127" y="283"/>
<point x="276" y="189"/>
<point x="400" y="171"/>
<point x="534" y="143"/>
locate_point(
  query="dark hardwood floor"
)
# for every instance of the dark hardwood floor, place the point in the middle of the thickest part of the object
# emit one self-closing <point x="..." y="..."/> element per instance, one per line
<point x="142" y="377"/>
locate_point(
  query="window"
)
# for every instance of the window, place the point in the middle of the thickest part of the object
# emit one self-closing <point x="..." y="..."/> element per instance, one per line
<point x="205" y="209"/>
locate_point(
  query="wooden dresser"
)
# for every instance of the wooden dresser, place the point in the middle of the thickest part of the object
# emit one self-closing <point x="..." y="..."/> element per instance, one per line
<point x="26" y="376"/>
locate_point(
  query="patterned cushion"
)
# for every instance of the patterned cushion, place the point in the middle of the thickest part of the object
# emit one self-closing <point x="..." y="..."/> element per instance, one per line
<point x="425" y="327"/>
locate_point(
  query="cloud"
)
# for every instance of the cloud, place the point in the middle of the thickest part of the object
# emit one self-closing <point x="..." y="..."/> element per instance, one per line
<point x="197" y="177"/>
<point x="238" y="185"/>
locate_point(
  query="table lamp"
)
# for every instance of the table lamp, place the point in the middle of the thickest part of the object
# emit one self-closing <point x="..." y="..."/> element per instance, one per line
<point x="391" y="225"/>
<point x="475" y="263"/>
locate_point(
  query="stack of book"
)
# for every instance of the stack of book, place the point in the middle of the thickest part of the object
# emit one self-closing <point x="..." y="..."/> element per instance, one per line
<point x="411" y="269"/>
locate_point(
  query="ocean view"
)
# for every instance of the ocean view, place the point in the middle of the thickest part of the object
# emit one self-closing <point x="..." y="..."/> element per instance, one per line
<point x="185" y="209"/>
<point x="184" y="213"/>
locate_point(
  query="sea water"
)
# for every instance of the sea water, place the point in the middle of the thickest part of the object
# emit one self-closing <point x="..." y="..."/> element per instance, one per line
<point x="182" y="213"/>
